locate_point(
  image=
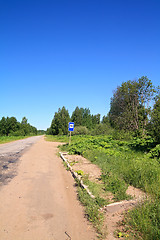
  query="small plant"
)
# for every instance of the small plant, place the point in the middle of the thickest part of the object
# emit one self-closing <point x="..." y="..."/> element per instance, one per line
<point x="80" y="172"/>
<point x="65" y="165"/>
<point x="119" y="235"/>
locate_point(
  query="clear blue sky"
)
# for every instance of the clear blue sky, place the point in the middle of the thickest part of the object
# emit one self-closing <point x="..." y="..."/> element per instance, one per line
<point x="56" y="53"/>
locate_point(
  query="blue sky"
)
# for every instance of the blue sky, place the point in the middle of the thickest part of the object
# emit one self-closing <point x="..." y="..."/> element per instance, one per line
<point x="73" y="53"/>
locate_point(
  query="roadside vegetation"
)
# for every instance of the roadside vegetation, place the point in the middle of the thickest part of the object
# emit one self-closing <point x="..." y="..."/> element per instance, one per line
<point x="11" y="129"/>
<point x="124" y="144"/>
<point x="126" y="147"/>
<point x="122" y="164"/>
<point x="6" y="139"/>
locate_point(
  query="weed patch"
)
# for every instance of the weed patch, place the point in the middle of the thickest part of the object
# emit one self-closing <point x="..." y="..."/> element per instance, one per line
<point x="145" y="219"/>
<point x="5" y="139"/>
<point x="123" y="163"/>
<point x="92" y="209"/>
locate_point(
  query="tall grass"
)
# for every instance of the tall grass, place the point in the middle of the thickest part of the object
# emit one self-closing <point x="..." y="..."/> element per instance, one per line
<point x="5" y="139"/>
<point x="134" y="168"/>
<point x="122" y="166"/>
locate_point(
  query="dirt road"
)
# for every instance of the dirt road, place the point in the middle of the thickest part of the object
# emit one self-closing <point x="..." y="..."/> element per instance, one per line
<point x="40" y="203"/>
<point x="9" y="155"/>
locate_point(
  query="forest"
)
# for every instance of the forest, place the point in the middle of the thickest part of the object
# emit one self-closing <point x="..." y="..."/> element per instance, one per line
<point x="9" y="126"/>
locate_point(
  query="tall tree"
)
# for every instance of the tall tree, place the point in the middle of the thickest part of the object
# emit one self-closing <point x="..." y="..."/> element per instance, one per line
<point x="11" y="125"/>
<point x="130" y="104"/>
<point x="105" y="119"/>
<point x="60" y="121"/>
<point x="155" y="120"/>
<point x="95" y="120"/>
<point x="3" y="124"/>
<point x="87" y="118"/>
<point x="77" y="116"/>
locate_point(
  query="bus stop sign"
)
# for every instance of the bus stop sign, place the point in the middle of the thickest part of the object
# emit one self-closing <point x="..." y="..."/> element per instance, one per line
<point x="71" y="126"/>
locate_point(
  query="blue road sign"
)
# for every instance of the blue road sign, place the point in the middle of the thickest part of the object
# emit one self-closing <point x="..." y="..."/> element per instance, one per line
<point x="71" y="126"/>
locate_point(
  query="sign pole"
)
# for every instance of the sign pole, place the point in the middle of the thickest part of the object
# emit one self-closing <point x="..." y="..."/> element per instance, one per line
<point x="70" y="129"/>
<point x="70" y="138"/>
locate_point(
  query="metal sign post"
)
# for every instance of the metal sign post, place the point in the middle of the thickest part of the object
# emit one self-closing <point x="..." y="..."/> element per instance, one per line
<point x="70" y="129"/>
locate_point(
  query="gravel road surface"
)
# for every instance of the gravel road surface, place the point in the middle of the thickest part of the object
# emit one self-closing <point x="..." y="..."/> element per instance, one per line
<point x="9" y="155"/>
<point x="17" y="146"/>
<point x="40" y="202"/>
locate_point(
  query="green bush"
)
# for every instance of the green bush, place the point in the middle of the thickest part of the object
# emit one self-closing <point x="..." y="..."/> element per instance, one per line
<point x="101" y="129"/>
<point x="122" y="135"/>
<point x="80" y="130"/>
<point x="18" y="133"/>
<point x="143" y="144"/>
<point x="155" y="152"/>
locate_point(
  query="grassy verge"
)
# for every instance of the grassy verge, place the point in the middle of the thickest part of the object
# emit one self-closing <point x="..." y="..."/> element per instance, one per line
<point x="145" y="219"/>
<point x="122" y="166"/>
<point x="6" y="139"/>
<point x="57" y="138"/>
<point x="92" y="207"/>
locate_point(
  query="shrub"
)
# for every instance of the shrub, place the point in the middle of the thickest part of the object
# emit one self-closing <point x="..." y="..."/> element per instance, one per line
<point x="143" y="144"/>
<point x="155" y="152"/>
<point x="17" y="133"/>
<point x="80" y="130"/>
<point x="102" y="129"/>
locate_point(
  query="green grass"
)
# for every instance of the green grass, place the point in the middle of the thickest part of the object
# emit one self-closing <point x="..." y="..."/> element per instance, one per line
<point x="92" y="210"/>
<point x="144" y="221"/>
<point x="57" y="138"/>
<point x="6" y="139"/>
<point x="121" y="166"/>
<point x="97" y="190"/>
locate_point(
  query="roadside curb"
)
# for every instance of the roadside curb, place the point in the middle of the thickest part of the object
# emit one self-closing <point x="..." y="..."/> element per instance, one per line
<point x="75" y="175"/>
<point x="112" y="207"/>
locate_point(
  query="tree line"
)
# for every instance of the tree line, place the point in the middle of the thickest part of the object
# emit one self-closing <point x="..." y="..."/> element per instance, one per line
<point x="134" y="108"/>
<point x="82" y="117"/>
<point x="9" y="126"/>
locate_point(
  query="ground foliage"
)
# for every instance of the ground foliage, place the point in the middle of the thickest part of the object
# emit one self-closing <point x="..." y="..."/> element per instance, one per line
<point x="126" y="163"/>
<point x="6" y="139"/>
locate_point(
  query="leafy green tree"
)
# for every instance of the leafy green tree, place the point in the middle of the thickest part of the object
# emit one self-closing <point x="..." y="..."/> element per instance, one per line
<point x="95" y="120"/>
<point x="3" y="123"/>
<point x="155" y="120"/>
<point x="83" y="117"/>
<point x="87" y="118"/>
<point x="11" y="125"/>
<point x="60" y="122"/>
<point x="24" y="121"/>
<point x="124" y="106"/>
<point x="26" y="128"/>
<point x="130" y="105"/>
<point x="77" y="116"/>
<point x="105" y="119"/>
